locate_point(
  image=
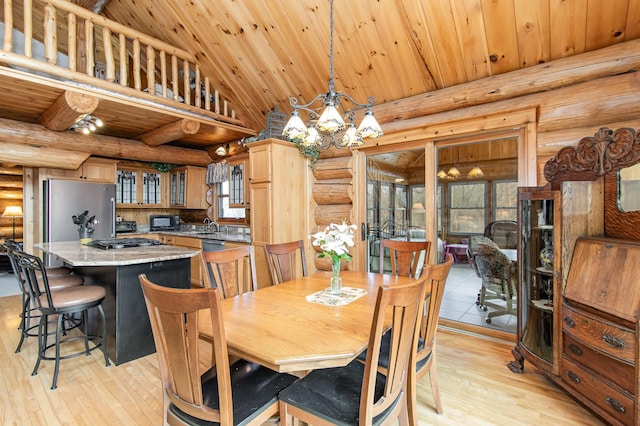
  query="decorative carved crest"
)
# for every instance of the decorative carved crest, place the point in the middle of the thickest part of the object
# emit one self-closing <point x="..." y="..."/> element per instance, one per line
<point x="595" y="156"/>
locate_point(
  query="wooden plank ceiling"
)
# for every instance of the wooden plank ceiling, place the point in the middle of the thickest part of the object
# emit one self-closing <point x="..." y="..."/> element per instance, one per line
<point x="259" y="53"/>
<point x="265" y="51"/>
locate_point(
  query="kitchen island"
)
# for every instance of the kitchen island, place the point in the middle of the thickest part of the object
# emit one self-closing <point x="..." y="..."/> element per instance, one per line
<point x="129" y="333"/>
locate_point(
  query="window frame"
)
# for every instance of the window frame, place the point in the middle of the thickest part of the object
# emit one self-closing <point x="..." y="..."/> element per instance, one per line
<point x="451" y="209"/>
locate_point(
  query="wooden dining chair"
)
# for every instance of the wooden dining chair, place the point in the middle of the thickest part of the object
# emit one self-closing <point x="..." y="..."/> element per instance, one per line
<point x="425" y="361"/>
<point x="282" y="260"/>
<point x="407" y="258"/>
<point x="192" y="398"/>
<point x="437" y="275"/>
<point x="358" y="394"/>
<point x="230" y="270"/>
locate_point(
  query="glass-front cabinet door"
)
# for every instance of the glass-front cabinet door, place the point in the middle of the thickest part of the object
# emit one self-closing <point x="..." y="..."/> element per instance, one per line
<point x="139" y="188"/>
<point x="539" y="290"/>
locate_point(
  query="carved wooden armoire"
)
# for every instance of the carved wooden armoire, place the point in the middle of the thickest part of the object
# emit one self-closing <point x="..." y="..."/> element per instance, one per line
<point x="579" y="269"/>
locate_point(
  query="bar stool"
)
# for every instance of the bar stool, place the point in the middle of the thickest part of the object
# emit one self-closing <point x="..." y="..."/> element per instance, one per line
<point x="60" y="303"/>
<point x="59" y="278"/>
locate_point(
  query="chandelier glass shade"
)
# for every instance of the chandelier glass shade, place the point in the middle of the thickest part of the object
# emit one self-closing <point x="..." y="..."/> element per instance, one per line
<point x="475" y="173"/>
<point x="331" y="116"/>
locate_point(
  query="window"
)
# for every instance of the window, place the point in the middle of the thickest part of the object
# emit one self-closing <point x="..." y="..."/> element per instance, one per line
<point x="467" y="208"/>
<point x="372" y="203"/>
<point x="400" y="206"/>
<point x="418" y="213"/>
<point x="440" y="208"/>
<point x="224" y="212"/>
<point x="386" y="212"/>
<point x="505" y="200"/>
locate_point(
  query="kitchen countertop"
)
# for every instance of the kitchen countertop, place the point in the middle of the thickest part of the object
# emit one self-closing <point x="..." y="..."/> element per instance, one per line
<point x="75" y="254"/>
<point x="238" y="238"/>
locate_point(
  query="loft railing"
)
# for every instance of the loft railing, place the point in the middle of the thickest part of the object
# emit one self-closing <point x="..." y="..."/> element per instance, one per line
<point x="69" y="39"/>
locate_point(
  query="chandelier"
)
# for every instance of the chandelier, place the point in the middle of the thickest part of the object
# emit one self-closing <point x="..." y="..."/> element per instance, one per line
<point x="455" y="174"/>
<point x="335" y="125"/>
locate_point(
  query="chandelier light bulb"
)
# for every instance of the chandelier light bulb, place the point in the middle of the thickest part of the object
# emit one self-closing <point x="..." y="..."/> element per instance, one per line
<point x="99" y="122"/>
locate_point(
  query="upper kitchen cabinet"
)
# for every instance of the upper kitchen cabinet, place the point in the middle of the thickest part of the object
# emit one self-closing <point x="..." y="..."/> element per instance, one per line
<point x="188" y="188"/>
<point x="238" y="187"/>
<point x="140" y="187"/>
<point x="260" y="163"/>
<point x="92" y="170"/>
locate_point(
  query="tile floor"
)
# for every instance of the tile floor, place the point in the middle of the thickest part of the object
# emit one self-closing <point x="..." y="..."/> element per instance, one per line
<point x="459" y="302"/>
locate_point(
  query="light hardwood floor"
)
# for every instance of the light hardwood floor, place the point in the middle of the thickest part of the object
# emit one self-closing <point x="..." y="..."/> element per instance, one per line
<point x="475" y="384"/>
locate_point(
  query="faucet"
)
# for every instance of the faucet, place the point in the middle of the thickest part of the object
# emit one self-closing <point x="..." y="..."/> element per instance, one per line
<point x="210" y="222"/>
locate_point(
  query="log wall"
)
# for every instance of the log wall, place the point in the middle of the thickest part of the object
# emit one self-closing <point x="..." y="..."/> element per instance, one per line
<point x="564" y="116"/>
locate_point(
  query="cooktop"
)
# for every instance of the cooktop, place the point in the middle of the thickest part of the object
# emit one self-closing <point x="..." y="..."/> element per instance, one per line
<point x="121" y="243"/>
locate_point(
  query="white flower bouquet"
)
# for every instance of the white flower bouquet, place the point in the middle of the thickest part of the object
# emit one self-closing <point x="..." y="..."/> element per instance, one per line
<point x="335" y="240"/>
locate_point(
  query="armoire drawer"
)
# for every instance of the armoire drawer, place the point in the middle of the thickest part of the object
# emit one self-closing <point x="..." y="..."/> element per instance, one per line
<point x="600" y="334"/>
<point x="614" y="402"/>
<point x="616" y="371"/>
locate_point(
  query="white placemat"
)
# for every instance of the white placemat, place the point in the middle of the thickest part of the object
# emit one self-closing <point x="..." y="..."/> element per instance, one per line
<point x="348" y="295"/>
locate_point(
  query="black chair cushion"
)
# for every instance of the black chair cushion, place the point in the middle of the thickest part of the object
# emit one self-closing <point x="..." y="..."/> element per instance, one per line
<point x="334" y="394"/>
<point x="383" y="360"/>
<point x="253" y="388"/>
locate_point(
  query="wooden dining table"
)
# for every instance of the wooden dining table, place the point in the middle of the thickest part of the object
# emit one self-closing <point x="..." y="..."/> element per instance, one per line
<point x="279" y="328"/>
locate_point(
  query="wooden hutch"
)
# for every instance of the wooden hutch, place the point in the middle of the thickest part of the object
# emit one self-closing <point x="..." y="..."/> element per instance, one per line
<point x="581" y="326"/>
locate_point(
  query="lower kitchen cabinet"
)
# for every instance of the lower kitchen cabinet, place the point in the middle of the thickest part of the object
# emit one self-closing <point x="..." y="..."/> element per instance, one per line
<point x="188" y="242"/>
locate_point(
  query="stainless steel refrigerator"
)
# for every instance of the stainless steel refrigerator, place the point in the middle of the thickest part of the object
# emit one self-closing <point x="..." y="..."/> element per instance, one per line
<point x="63" y="199"/>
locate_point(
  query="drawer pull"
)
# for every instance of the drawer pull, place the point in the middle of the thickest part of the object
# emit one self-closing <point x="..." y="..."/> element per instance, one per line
<point x="572" y="376"/>
<point x="613" y="341"/>
<point x="616" y="405"/>
<point x="571" y="323"/>
<point x="575" y="349"/>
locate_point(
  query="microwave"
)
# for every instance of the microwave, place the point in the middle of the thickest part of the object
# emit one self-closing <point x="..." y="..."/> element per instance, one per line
<point x="164" y="222"/>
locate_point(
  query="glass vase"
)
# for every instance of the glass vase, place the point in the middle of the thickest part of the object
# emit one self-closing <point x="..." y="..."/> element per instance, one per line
<point x="336" y="280"/>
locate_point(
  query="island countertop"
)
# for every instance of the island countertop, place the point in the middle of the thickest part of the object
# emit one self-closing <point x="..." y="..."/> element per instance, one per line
<point x="75" y="254"/>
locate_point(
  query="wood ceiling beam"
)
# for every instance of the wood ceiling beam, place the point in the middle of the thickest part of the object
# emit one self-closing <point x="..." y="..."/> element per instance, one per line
<point x="617" y="59"/>
<point x="21" y="135"/>
<point x="67" y="109"/>
<point x="170" y="132"/>
<point x="40" y="155"/>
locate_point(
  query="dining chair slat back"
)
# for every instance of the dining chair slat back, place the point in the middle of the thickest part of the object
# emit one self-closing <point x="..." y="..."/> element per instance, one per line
<point x="232" y="270"/>
<point x="191" y="397"/>
<point x="282" y="259"/>
<point x="407" y="258"/>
